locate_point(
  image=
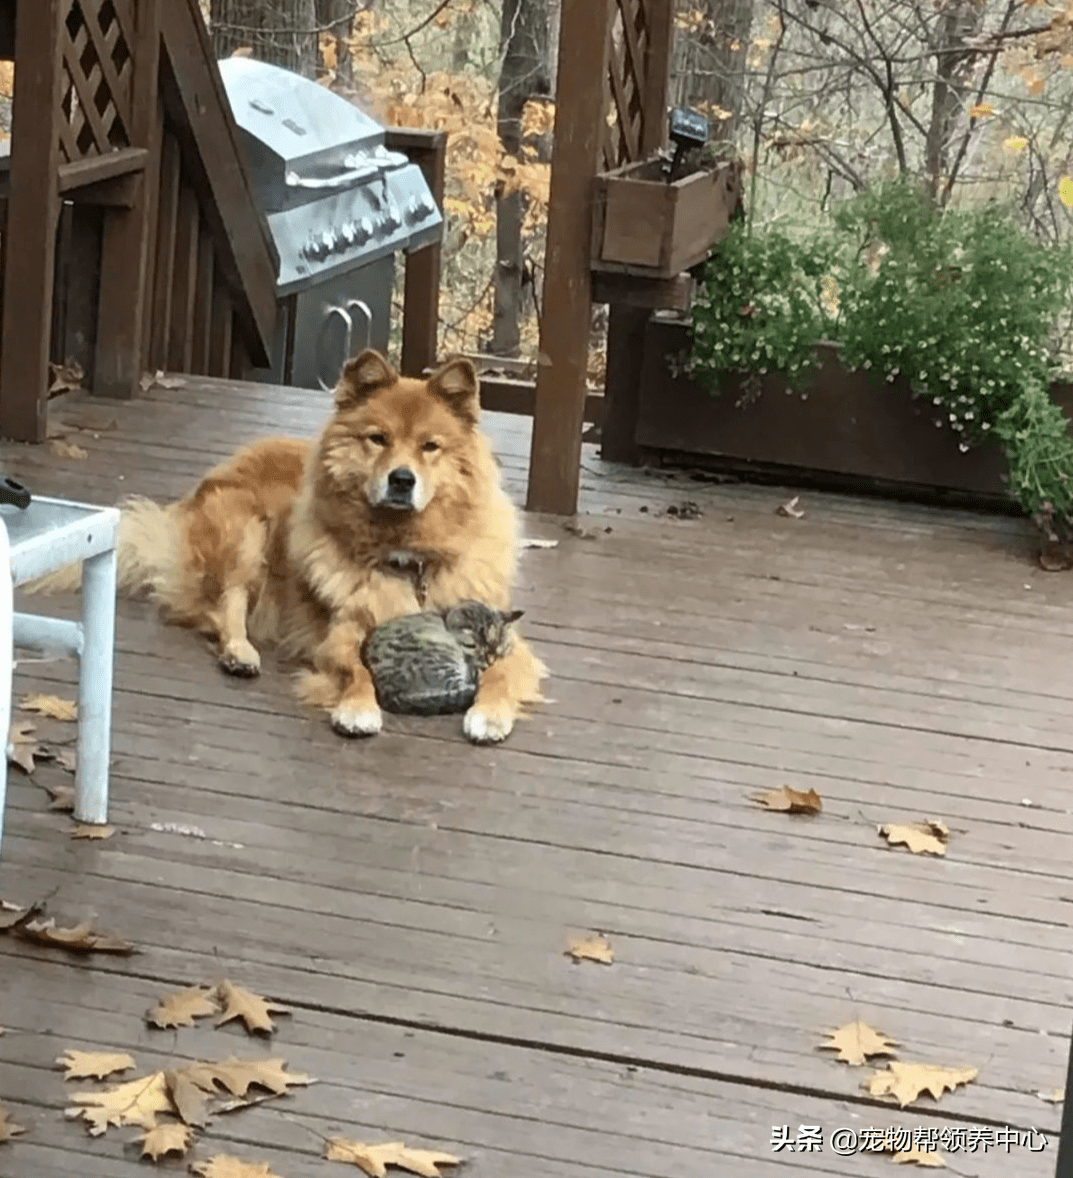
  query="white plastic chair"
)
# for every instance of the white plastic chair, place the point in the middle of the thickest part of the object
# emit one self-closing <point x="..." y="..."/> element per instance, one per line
<point x="47" y="535"/>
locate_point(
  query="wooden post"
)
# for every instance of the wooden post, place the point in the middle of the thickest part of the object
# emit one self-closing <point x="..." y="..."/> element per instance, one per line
<point x="626" y="326"/>
<point x="122" y="307"/>
<point x="33" y="209"/>
<point x="555" y="456"/>
<point x="421" y="301"/>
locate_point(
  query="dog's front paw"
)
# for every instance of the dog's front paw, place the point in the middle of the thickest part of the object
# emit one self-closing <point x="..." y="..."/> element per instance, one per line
<point x="487" y="726"/>
<point x="241" y="660"/>
<point x="351" y="720"/>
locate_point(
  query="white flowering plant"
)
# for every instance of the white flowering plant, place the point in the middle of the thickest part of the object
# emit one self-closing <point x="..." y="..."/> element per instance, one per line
<point x="965" y="305"/>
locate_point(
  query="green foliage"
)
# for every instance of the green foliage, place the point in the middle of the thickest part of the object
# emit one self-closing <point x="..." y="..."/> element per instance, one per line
<point x="965" y="306"/>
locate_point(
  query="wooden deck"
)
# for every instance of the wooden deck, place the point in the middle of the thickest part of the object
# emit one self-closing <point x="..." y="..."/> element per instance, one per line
<point x="411" y="897"/>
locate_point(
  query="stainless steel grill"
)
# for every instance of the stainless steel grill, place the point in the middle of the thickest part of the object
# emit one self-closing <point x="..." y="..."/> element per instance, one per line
<point x="340" y="206"/>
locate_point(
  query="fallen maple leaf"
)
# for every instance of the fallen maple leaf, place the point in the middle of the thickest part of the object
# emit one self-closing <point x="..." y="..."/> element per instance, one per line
<point x="922" y="838"/>
<point x="8" y="1128"/>
<point x="255" y="1011"/>
<point x="170" y="1137"/>
<point x="375" y="1159"/>
<point x="50" y="705"/>
<point x="64" y="449"/>
<point x="22" y="747"/>
<point x="61" y="797"/>
<point x="82" y="938"/>
<point x="919" y="1157"/>
<point x="93" y="1065"/>
<point x="856" y="1042"/>
<point x="791" y="801"/>
<point x="905" y="1082"/>
<point x="188" y="1099"/>
<point x="66" y="377"/>
<point x="136" y="1102"/>
<point x="66" y="759"/>
<point x="13" y="915"/>
<point x="226" y="1166"/>
<point x="791" y="509"/>
<point x="592" y="948"/>
<point x="1056" y="1096"/>
<point x="237" y="1076"/>
<point x="182" y="1007"/>
<point x="84" y="830"/>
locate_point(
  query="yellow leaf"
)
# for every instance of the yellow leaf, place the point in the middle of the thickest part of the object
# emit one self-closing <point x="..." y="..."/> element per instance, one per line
<point x="856" y="1041"/>
<point x="981" y="110"/>
<point x="180" y="1008"/>
<point x="1015" y="143"/>
<point x="919" y="1157"/>
<point x="225" y="1165"/>
<point x="1055" y="1096"/>
<point x="905" y="1082"/>
<point x="922" y="838"/>
<point x="171" y="1137"/>
<point x="251" y="1008"/>
<point x="93" y="1065"/>
<point x="791" y="801"/>
<point x="136" y="1102"/>
<point x="1065" y="191"/>
<point x="86" y="831"/>
<point x="592" y="948"/>
<point x="50" y="705"/>
<point x="375" y="1159"/>
<point x="8" y="1128"/>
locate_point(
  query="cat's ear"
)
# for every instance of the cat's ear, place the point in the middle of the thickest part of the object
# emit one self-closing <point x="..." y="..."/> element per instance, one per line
<point x="513" y="615"/>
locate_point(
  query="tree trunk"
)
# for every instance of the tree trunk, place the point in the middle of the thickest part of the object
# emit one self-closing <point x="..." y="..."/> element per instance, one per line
<point x="523" y="48"/>
<point x="282" y="32"/>
<point x="709" y="60"/>
<point x="953" y="75"/>
<point x="338" y="17"/>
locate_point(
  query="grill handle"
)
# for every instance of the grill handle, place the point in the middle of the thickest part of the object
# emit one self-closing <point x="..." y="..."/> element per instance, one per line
<point x="294" y="180"/>
<point x="348" y="322"/>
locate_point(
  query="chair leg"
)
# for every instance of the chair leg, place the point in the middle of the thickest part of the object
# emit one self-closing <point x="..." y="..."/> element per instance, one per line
<point x="95" y="688"/>
<point x="7" y="654"/>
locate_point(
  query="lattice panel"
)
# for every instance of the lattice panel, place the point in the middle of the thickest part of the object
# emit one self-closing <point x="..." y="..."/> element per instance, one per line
<point x="630" y="37"/>
<point x="95" y="94"/>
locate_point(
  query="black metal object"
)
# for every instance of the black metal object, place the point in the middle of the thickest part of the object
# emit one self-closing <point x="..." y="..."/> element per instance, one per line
<point x="1064" y="1168"/>
<point x="689" y="129"/>
<point x="14" y="494"/>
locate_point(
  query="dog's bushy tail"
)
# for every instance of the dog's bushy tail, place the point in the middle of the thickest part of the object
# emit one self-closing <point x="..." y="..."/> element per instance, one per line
<point x="147" y="552"/>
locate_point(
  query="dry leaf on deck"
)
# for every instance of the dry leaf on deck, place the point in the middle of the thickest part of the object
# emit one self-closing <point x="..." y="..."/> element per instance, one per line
<point x="189" y="1100"/>
<point x="136" y="1102"/>
<point x="93" y="1065"/>
<point x="182" y="1007"/>
<point x="82" y="938"/>
<point x="22" y="746"/>
<point x="64" y="449"/>
<point x="237" y="1076"/>
<point x="594" y="948"/>
<point x="791" y="801"/>
<point x="907" y="1081"/>
<point x="255" y="1011"/>
<point x="919" y="1157"/>
<point x="224" y="1165"/>
<point x="13" y="915"/>
<point x="922" y="838"/>
<point x="67" y="377"/>
<point x="533" y="543"/>
<point x="66" y="759"/>
<point x="856" y="1042"/>
<point x="61" y="797"/>
<point x="1056" y="1096"/>
<point x="8" y="1128"/>
<point x="171" y="1137"/>
<point x="790" y="509"/>
<point x="375" y="1159"/>
<point x="85" y="830"/>
<point x="50" y="705"/>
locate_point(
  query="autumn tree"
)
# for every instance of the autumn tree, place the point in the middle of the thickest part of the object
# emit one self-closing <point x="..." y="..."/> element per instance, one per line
<point x="523" y="73"/>
<point x="283" y="32"/>
<point x="709" y="64"/>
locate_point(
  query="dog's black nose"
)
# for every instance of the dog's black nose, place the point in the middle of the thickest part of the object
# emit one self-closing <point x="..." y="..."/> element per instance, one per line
<point x="401" y="480"/>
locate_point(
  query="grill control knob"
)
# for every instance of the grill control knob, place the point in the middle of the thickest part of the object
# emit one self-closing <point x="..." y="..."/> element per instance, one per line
<point x="392" y="218"/>
<point x="365" y="230"/>
<point x="316" y="248"/>
<point x="350" y="233"/>
<point x="328" y="240"/>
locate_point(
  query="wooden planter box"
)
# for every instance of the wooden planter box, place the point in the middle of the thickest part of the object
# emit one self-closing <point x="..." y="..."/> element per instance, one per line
<point x="850" y="429"/>
<point x="643" y="225"/>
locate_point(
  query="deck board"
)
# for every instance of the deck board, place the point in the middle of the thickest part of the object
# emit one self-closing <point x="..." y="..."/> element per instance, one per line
<point x="411" y="897"/>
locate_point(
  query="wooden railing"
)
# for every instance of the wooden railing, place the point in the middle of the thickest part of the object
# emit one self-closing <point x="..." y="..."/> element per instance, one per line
<point x="131" y="236"/>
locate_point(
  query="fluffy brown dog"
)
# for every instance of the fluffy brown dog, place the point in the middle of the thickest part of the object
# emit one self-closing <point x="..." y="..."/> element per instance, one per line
<point x="396" y="507"/>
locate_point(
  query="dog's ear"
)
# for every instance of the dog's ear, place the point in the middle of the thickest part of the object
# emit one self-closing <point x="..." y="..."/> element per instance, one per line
<point x="513" y="615"/>
<point x="456" y="383"/>
<point x="361" y="377"/>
